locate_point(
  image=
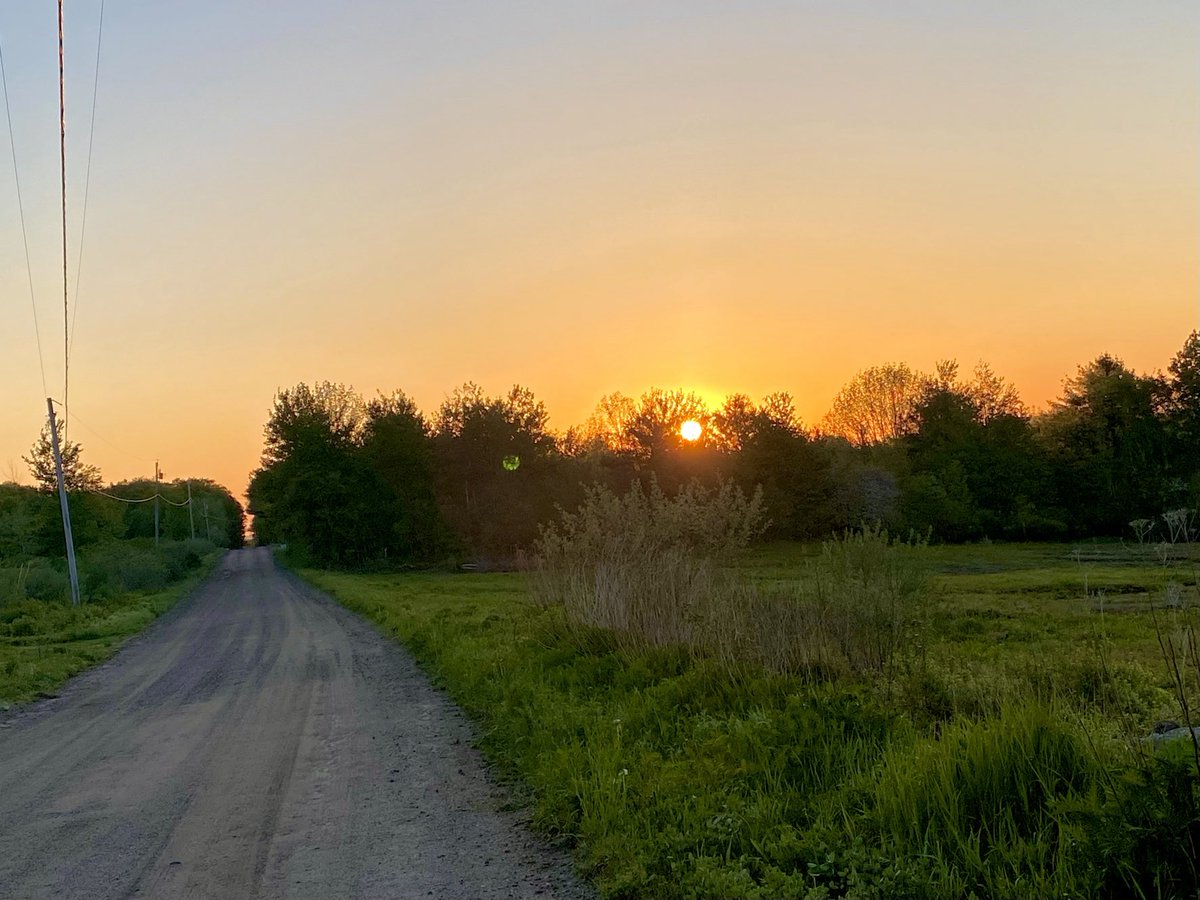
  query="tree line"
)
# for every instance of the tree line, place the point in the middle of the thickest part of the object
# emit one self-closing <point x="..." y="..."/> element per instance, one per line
<point x="31" y="521"/>
<point x="347" y="480"/>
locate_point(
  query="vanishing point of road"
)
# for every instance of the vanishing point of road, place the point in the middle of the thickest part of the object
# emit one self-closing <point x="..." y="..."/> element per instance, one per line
<point x="258" y="741"/>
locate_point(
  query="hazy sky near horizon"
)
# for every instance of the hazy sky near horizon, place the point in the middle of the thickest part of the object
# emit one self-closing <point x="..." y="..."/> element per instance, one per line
<point x="584" y="198"/>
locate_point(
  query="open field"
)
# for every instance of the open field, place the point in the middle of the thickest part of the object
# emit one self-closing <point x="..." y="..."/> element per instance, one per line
<point x="1005" y="757"/>
<point x="1050" y="615"/>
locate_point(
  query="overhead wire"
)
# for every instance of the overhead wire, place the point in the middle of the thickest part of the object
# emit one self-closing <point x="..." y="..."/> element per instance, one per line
<point x="69" y="318"/>
<point x="12" y="141"/>
<point x="122" y="450"/>
<point x="62" y="155"/>
<point x="122" y="499"/>
<point x="87" y="179"/>
<point x="165" y="500"/>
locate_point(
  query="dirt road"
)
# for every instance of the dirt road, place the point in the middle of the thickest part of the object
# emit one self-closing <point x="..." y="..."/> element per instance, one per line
<point x="258" y="741"/>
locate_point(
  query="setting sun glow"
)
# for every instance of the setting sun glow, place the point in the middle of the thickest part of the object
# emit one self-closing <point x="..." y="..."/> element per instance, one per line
<point x="757" y="197"/>
<point x="690" y="430"/>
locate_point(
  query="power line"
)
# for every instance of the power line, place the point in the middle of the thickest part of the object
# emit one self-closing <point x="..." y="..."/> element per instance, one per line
<point x="125" y="452"/>
<point x="155" y="496"/>
<point x="87" y="180"/>
<point x="122" y="450"/>
<point x="62" y="155"/>
<point x="12" y="141"/>
<point x="122" y="499"/>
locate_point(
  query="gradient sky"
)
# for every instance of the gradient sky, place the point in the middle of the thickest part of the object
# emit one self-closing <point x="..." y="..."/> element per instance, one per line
<point x="584" y="198"/>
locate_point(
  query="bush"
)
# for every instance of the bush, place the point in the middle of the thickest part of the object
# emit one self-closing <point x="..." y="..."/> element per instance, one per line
<point x="45" y="583"/>
<point x="106" y="571"/>
<point x="117" y="568"/>
<point x="182" y="557"/>
<point x="132" y="569"/>
<point x="23" y="626"/>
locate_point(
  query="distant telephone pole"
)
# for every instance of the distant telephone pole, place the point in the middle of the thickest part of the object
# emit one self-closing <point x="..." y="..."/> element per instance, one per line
<point x="157" y="476"/>
<point x="191" y="518"/>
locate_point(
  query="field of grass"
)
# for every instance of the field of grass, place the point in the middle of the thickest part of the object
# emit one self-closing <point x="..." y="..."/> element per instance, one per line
<point x="45" y="642"/>
<point x="1005" y="758"/>
<point x="1006" y="621"/>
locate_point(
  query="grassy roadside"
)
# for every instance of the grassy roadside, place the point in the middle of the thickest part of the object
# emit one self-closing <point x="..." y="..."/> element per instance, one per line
<point x="988" y="772"/>
<point x="45" y="642"/>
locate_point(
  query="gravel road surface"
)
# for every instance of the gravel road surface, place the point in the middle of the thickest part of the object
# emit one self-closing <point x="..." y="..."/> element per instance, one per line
<point x="258" y="741"/>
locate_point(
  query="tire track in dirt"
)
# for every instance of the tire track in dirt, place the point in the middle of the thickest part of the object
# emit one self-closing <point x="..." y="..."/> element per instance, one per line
<point x="258" y="741"/>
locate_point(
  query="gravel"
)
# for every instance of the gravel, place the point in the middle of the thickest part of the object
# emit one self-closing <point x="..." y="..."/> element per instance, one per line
<point x="259" y="741"/>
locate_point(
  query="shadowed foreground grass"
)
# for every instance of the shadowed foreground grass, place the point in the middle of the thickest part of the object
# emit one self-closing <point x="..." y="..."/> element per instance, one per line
<point x="1005" y="762"/>
<point x="45" y="642"/>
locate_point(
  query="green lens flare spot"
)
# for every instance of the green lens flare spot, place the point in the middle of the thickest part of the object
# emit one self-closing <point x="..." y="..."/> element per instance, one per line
<point x="511" y="463"/>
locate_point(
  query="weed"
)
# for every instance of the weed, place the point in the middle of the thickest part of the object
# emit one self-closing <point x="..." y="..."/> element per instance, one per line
<point x="45" y="641"/>
<point x="993" y="760"/>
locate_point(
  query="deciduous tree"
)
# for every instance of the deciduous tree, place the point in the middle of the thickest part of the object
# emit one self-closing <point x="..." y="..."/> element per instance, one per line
<point x="495" y="462"/>
<point x="396" y="442"/>
<point x="877" y="405"/>
<point x="1106" y="440"/>
<point x="77" y="475"/>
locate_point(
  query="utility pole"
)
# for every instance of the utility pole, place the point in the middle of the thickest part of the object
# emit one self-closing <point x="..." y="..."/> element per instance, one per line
<point x="191" y="518"/>
<point x="157" y="476"/>
<point x="207" y="524"/>
<point x="62" y="500"/>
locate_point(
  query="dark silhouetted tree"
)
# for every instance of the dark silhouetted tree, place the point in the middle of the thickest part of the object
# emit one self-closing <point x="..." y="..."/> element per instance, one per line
<point x="1183" y="423"/>
<point x="768" y="448"/>
<point x="1106" y="441"/>
<point x="396" y="442"/>
<point x="497" y="468"/>
<point x="315" y="488"/>
<point x="973" y="466"/>
<point x="653" y="428"/>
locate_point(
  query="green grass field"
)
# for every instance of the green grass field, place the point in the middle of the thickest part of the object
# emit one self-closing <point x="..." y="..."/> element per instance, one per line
<point x="1006" y="759"/>
<point x="45" y="642"/>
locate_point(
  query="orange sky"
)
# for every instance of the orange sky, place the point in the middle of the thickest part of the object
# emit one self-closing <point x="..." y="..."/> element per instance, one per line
<point x="585" y="198"/>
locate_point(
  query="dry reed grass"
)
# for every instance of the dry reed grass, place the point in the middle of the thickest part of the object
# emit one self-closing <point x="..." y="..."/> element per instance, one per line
<point x="657" y="571"/>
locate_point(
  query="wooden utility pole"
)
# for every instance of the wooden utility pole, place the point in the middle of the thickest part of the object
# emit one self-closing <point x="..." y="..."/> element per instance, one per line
<point x="62" y="500"/>
<point x="157" y="476"/>
<point x="191" y="518"/>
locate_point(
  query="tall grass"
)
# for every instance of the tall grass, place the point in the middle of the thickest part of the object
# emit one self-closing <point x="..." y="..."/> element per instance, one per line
<point x="981" y="798"/>
<point x="105" y="570"/>
<point x="870" y="591"/>
<point x="45" y="641"/>
<point x="657" y="571"/>
<point x="677" y="772"/>
<point x="645" y="565"/>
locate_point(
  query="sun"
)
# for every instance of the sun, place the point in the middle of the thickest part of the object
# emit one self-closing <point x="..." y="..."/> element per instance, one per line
<point x="690" y="430"/>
